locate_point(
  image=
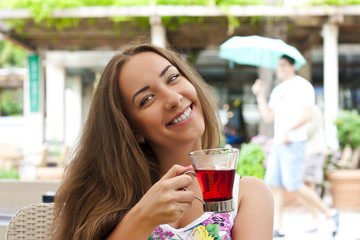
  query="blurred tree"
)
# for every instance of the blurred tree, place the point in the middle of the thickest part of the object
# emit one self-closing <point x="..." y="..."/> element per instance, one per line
<point x="41" y="10"/>
<point x="11" y="101"/>
<point x="11" y="55"/>
<point x="333" y="2"/>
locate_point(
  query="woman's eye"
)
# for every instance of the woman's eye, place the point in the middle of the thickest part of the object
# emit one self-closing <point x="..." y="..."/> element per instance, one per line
<point x="173" y="78"/>
<point x="145" y="100"/>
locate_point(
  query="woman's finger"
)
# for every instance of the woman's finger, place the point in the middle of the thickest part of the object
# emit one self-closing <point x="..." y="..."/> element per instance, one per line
<point x="176" y="170"/>
<point x="173" y="184"/>
<point x="183" y="196"/>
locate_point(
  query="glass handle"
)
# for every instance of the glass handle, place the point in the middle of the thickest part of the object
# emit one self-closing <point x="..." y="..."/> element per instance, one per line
<point x="202" y="201"/>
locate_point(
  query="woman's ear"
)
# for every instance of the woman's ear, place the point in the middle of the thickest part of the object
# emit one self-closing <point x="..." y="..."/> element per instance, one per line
<point x="140" y="139"/>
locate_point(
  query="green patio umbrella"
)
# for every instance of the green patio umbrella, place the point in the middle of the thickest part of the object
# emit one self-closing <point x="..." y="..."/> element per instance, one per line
<point x="259" y="51"/>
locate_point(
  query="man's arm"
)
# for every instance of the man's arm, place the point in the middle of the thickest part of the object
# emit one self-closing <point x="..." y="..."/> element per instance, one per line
<point x="303" y="119"/>
<point x="266" y="113"/>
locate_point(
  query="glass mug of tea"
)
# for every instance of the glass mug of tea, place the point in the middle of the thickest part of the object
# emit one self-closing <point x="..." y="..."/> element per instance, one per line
<point x="215" y="171"/>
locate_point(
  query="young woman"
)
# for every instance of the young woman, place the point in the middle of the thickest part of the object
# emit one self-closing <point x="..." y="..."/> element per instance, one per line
<point x="125" y="179"/>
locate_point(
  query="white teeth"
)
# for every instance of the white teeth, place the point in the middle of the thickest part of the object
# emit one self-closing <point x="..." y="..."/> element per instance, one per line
<point x="183" y="116"/>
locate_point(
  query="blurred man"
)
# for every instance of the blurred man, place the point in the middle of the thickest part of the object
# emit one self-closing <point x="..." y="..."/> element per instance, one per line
<point x="289" y="108"/>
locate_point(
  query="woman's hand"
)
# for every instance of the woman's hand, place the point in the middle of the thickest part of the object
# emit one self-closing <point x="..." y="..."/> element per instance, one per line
<point x="166" y="201"/>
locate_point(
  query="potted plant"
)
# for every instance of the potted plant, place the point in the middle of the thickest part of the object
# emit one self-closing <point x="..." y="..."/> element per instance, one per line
<point x="10" y="173"/>
<point x="344" y="174"/>
<point x="251" y="158"/>
<point x="252" y="162"/>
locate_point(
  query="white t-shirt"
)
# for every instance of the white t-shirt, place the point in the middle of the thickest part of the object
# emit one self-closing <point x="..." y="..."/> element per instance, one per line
<point x="287" y="100"/>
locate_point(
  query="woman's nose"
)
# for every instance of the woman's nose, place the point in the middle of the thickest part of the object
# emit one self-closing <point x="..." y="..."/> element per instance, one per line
<point x="172" y="100"/>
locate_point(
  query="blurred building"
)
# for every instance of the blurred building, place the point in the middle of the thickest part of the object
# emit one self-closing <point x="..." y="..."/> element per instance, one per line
<point x="11" y="105"/>
<point x="64" y="65"/>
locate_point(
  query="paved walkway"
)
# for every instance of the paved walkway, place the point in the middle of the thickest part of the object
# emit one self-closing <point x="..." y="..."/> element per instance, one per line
<point x="296" y="219"/>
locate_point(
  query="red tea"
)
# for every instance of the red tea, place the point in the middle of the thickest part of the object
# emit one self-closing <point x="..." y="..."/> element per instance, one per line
<point x="216" y="185"/>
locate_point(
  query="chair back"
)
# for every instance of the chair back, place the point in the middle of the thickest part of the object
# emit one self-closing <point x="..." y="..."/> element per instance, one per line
<point x="31" y="223"/>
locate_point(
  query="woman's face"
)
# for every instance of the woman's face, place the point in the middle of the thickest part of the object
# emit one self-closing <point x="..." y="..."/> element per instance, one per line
<point x="163" y="105"/>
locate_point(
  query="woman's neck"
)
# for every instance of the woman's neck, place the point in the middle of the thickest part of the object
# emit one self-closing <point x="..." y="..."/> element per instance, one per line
<point x="168" y="157"/>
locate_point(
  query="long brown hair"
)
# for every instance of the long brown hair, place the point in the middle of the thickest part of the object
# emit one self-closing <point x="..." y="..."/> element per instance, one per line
<point x="102" y="181"/>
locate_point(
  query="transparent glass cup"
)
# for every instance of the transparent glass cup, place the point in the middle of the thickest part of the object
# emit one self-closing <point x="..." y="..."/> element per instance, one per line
<point x="215" y="171"/>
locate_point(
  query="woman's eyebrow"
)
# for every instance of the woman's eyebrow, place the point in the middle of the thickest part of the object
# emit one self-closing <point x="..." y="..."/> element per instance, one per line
<point x="165" y="70"/>
<point x="138" y="92"/>
<point x="147" y="87"/>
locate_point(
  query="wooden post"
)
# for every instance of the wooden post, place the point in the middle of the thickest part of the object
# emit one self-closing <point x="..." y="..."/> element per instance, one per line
<point x="158" y="35"/>
<point x="273" y="29"/>
<point x="331" y="82"/>
<point x="0" y="100"/>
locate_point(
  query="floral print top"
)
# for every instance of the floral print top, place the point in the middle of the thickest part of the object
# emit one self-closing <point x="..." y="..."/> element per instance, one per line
<point x="209" y="226"/>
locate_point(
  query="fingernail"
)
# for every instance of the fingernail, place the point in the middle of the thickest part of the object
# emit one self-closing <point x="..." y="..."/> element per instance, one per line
<point x="188" y="166"/>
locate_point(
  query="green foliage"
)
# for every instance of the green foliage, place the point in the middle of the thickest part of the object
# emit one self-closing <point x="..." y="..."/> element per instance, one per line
<point x="48" y="5"/>
<point x="41" y="10"/>
<point x="11" y="55"/>
<point x="251" y="158"/>
<point x="239" y="2"/>
<point x="332" y="2"/>
<point x="172" y="23"/>
<point x="9" y="174"/>
<point x="331" y="161"/>
<point x="11" y="102"/>
<point x="348" y="128"/>
<point x="183" y="2"/>
<point x="222" y="140"/>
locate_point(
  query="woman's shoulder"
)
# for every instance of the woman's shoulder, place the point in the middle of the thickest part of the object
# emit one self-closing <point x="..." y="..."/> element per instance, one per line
<point x="253" y="187"/>
<point x="254" y="219"/>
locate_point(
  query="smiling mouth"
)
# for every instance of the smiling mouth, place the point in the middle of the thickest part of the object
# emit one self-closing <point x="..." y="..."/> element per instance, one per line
<point x="183" y="116"/>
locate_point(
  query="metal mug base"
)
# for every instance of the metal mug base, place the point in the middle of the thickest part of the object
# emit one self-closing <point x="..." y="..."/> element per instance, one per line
<point x="221" y="206"/>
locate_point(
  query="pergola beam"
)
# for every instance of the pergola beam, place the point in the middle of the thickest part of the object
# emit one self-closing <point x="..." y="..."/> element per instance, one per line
<point x="191" y="11"/>
<point x="17" y="42"/>
<point x="5" y="34"/>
